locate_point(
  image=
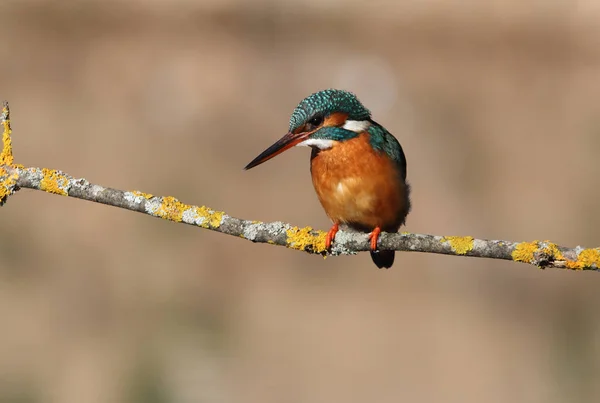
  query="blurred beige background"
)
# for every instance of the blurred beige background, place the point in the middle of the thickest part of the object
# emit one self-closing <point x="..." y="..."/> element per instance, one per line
<point x="497" y="106"/>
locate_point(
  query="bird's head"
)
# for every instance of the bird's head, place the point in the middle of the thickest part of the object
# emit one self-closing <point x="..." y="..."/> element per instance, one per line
<point x="319" y="121"/>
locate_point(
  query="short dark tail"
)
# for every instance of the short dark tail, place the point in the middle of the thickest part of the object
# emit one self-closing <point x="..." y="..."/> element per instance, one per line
<point x="383" y="258"/>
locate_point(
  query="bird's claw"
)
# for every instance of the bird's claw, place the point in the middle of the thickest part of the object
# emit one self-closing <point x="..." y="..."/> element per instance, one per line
<point x="330" y="236"/>
<point x="374" y="237"/>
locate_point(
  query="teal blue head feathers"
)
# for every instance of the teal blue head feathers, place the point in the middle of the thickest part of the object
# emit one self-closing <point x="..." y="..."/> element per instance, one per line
<point x="322" y="103"/>
<point x="320" y="120"/>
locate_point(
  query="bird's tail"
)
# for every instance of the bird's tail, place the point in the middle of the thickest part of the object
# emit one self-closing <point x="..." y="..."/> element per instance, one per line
<point x="383" y="258"/>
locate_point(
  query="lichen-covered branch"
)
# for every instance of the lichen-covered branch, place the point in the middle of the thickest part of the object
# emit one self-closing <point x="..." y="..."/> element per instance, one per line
<point x="542" y="254"/>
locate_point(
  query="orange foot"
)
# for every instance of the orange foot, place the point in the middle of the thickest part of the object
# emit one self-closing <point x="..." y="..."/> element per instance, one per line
<point x="373" y="237"/>
<point x="331" y="235"/>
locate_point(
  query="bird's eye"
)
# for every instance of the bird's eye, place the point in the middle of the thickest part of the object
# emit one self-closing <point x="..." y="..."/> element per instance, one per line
<point x="314" y="122"/>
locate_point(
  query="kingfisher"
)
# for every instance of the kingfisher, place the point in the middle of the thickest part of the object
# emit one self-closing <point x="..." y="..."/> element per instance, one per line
<point x="358" y="168"/>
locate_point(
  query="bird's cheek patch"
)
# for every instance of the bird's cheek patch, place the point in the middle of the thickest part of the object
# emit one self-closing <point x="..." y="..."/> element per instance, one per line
<point x="335" y="119"/>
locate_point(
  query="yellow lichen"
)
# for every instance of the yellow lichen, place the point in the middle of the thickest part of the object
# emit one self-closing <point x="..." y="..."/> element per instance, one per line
<point x="6" y="156"/>
<point x="587" y="258"/>
<point x="212" y="219"/>
<point x="174" y="210"/>
<point x="524" y="251"/>
<point x="171" y="209"/>
<point x="304" y="239"/>
<point x="7" y="184"/>
<point x="459" y="244"/>
<point x="137" y="193"/>
<point x="53" y="182"/>
<point x="573" y="265"/>
<point x="551" y="250"/>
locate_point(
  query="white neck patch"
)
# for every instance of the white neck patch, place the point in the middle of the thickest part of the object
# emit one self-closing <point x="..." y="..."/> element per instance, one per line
<point x="356" y="126"/>
<point x="321" y="144"/>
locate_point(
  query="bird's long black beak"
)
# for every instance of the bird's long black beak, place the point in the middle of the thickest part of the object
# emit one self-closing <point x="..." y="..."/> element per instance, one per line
<point x="284" y="143"/>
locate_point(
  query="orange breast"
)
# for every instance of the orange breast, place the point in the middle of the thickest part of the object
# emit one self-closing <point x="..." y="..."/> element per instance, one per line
<point x="359" y="186"/>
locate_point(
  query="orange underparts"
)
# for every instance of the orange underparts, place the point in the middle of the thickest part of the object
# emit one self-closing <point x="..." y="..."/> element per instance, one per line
<point x="370" y="194"/>
<point x="331" y="235"/>
<point x="373" y="237"/>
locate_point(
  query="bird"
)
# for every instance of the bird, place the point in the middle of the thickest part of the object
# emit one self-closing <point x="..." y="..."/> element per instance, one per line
<point x="358" y="168"/>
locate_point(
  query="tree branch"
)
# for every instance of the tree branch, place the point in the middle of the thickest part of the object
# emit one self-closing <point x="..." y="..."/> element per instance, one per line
<point x="542" y="254"/>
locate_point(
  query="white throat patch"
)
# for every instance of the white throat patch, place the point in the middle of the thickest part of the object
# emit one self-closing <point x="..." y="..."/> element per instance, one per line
<point x="321" y="144"/>
<point x="356" y="126"/>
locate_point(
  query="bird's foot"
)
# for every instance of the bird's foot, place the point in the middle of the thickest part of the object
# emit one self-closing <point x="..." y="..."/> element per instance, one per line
<point x="373" y="237"/>
<point x="331" y="235"/>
